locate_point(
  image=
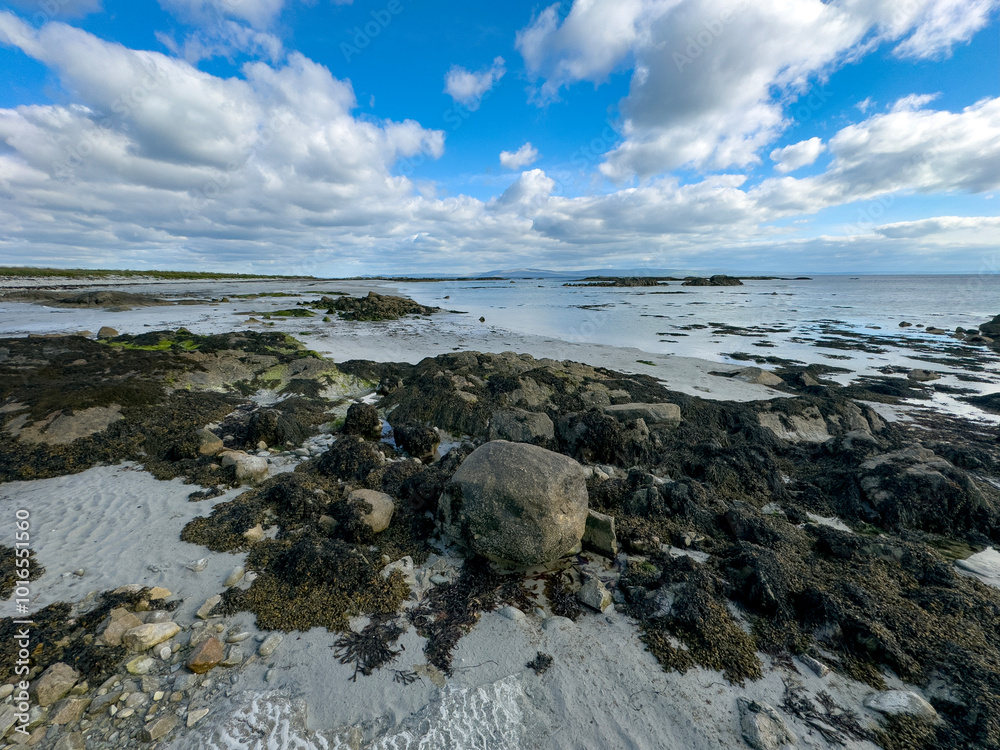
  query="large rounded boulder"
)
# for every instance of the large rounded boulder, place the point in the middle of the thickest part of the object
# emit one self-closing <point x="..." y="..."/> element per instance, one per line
<point x="516" y="504"/>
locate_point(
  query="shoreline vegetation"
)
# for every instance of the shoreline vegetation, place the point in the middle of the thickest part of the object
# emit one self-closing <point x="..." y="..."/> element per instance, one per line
<point x="802" y="533"/>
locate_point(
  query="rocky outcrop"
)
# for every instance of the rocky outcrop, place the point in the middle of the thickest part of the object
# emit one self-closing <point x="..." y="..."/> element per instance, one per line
<point x="520" y="426"/>
<point x="516" y="504"/>
<point x="717" y="280"/>
<point x="375" y="307"/>
<point x="667" y="415"/>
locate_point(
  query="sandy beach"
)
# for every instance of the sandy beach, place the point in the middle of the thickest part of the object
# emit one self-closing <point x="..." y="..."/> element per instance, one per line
<point x="110" y="524"/>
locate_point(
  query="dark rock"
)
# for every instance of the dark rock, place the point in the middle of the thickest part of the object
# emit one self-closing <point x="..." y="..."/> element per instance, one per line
<point x="418" y="440"/>
<point x="274" y="428"/>
<point x="363" y="420"/>
<point x="717" y="280"/>
<point x="375" y="307"/>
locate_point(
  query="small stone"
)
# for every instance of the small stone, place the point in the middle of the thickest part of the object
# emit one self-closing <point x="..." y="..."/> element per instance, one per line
<point x="107" y="332"/>
<point x="158" y="728"/>
<point x="101" y="702"/>
<point x="164" y="652"/>
<point x="235" y="576"/>
<point x="140" y="665"/>
<point x="922" y="376"/>
<point x="68" y="710"/>
<point x="600" y="534"/>
<point x="194" y="717"/>
<point x="54" y="683"/>
<point x="198" y="565"/>
<point x="158" y="695"/>
<point x="269" y="675"/>
<point x="818" y="668"/>
<point x="234" y="658"/>
<point x="158" y="592"/>
<point x="209" y="444"/>
<point x="901" y="703"/>
<point x="205" y="610"/>
<point x="255" y="534"/>
<point x="124" y="713"/>
<point x="71" y="741"/>
<point x="270" y="644"/>
<point x="762" y="726"/>
<point x="8" y="715"/>
<point x="206" y="656"/>
<point x="594" y="594"/>
<point x="136" y="699"/>
<point x="148" y="635"/>
<point x="237" y="637"/>
<point x="5" y="690"/>
<point x="158" y="615"/>
<point x="512" y="613"/>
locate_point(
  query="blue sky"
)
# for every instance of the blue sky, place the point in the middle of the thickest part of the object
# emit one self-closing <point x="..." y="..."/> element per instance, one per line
<point x="400" y="136"/>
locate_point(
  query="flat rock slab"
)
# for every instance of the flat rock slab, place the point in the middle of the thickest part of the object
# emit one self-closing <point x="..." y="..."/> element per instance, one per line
<point x="901" y="703"/>
<point x="148" y="635"/>
<point x="651" y="414"/>
<point x="54" y="683"/>
<point x="206" y="656"/>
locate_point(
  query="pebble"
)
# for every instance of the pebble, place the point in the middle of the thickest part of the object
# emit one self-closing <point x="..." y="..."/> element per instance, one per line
<point x="269" y="675"/>
<point x="198" y="565"/>
<point x="205" y="610"/>
<point x="6" y="690"/>
<point x="158" y="695"/>
<point x="163" y="652"/>
<point x="234" y="638"/>
<point x="124" y="713"/>
<point x="235" y="576"/>
<point x="158" y="728"/>
<point x="270" y="644"/>
<point x="140" y="665"/>
<point x="194" y="717"/>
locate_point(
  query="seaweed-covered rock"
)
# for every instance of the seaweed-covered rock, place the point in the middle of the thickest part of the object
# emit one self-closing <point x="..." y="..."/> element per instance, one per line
<point x="650" y="414"/>
<point x="418" y="440"/>
<point x="363" y="420"/>
<point x="520" y="426"/>
<point x="350" y="458"/>
<point x="913" y="488"/>
<point x="516" y="504"/>
<point x="275" y="428"/>
<point x="376" y="307"/>
<point x="717" y="280"/>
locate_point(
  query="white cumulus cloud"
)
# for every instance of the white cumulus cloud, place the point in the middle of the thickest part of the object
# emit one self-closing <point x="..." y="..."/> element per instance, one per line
<point x="797" y="155"/>
<point x="523" y="157"/>
<point x="468" y="88"/>
<point x="716" y="81"/>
